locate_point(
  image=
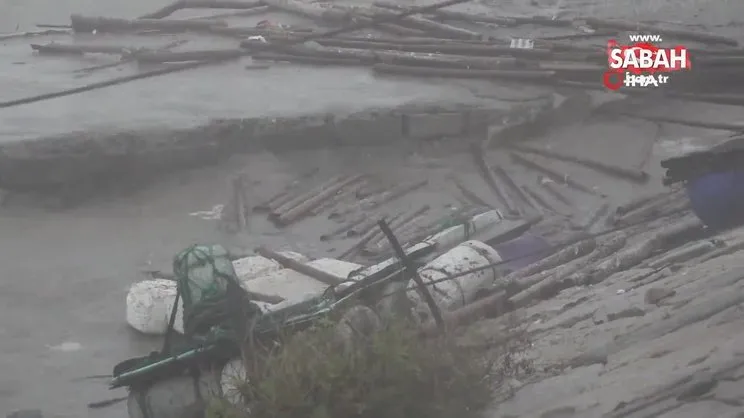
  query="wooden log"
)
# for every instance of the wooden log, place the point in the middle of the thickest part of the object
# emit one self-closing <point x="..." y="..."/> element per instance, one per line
<point x="386" y="196"/>
<point x="303" y="59"/>
<point x="444" y="61"/>
<point x="634" y="175"/>
<point x="477" y="152"/>
<point x="735" y="127"/>
<point x="642" y="201"/>
<point x="343" y="229"/>
<point x="240" y="201"/>
<point x="551" y="187"/>
<point x="465" y="74"/>
<point x="160" y="57"/>
<point x="200" y="4"/>
<point x="655" y="29"/>
<point x="397" y="225"/>
<point x="86" y="24"/>
<point x="663" y="206"/>
<point x="302" y="268"/>
<point x="563" y="256"/>
<point x="368" y="236"/>
<point x="685" y="253"/>
<point x="512" y="185"/>
<point x="540" y="200"/>
<point x="303" y="208"/>
<point x="553" y="175"/>
<point x="243" y="13"/>
<point x="63" y="49"/>
<point x="298" y="199"/>
<point x="312" y="11"/>
<point x="594" y="217"/>
<point x="29" y="34"/>
<point x="469" y="195"/>
<point x="636" y="254"/>
<point x="430" y="26"/>
<point x="548" y="283"/>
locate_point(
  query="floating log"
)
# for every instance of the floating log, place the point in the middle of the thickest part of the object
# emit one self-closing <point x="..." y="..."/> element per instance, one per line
<point x="29" y="34"/>
<point x="548" y="283"/>
<point x="540" y="200"/>
<point x="368" y="236"/>
<point x="396" y="225"/>
<point x="565" y="179"/>
<point x="343" y="228"/>
<point x="655" y="29"/>
<point x="201" y="4"/>
<point x="303" y="208"/>
<point x="160" y="57"/>
<point x="298" y="199"/>
<point x="312" y="11"/>
<point x="470" y="195"/>
<point x="551" y="187"/>
<point x="477" y="152"/>
<point x="475" y="18"/>
<point x="512" y="185"/>
<point x="427" y="25"/>
<point x="303" y="59"/>
<point x="595" y="216"/>
<point x="660" y="207"/>
<point x="685" y="253"/>
<point x="643" y="201"/>
<point x="244" y="13"/>
<point x="302" y="268"/>
<point x="636" y="254"/>
<point x="686" y="122"/>
<point x="457" y="73"/>
<point x="384" y="197"/>
<point x="85" y="24"/>
<point x="62" y="49"/>
<point x="637" y="176"/>
<point x="563" y="256"/>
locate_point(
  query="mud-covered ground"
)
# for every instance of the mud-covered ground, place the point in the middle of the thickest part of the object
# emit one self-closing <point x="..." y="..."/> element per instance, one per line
<point x="65" y="273"/>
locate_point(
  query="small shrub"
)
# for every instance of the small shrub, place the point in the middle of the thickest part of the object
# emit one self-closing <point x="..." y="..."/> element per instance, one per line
<point x="392" y="373"/>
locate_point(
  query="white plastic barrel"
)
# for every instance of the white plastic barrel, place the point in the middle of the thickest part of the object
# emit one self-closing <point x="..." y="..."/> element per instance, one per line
<point x="175" y="397"/>
<point x="149" y="306"/>
<point x="453" y="293"/>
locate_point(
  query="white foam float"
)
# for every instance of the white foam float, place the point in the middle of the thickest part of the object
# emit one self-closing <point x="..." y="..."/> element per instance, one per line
<point x="150" y="302"/>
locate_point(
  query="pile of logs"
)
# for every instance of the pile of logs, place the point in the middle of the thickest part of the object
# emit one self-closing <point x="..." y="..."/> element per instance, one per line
<point x="421" y="45"/>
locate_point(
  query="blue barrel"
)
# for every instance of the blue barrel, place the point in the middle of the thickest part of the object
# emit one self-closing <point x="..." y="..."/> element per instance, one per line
<point x="718" y="198"/>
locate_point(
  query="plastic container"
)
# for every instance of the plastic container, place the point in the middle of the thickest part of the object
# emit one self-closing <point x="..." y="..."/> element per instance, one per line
<point x="175" y="397"/>
<point x="718" y="198"/>
<point x="453" y="293"/>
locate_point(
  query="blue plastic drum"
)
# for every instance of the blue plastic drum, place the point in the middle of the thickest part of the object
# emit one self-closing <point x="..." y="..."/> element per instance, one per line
<point x="718" y="199"/>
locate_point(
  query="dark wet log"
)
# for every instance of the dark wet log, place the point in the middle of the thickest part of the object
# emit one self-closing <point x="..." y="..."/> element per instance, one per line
<point x="243" y="13"/>
<point x="563" y="256"/>
<point x="309" y="10"/>
<point x="553" y="189"/>
<point x="465" y="74"/>
<point x="474" y="18"/>
<point x="594" y="217"/>
<point x="685" y="253"/>
<point x="553" y="175"/>
<point x="297" y="199"/>
<point x="203" y="55"/>
<point x="548" y="283"/>
<point x="343" y="229"/>
<point x="201" y="4"/>
<point x="430" y="26"/>
<point x="655" y="29"/>
<point x="86" y="24"/>
<point x="303" y="59"/>
<point x="634" y="175"/>
<point x="302" y="268"/>
<point x="643" y="201"/>
<point x="540" y="200"/>
<point x="374" y="201"/>
<point x="313" y="201"/>
<point x="62" y="49"/>
<point x="368" y="236"/>
<point x="667" y="204"/>
<point x="477" y="152"/>
<point x="686" y="122"/>
<point x="470" y="196"/>
<point x="512" y="185"/>
<point x="636" y="254"/>
<point x="7" y="36"/>
<point x="396" y="225"/>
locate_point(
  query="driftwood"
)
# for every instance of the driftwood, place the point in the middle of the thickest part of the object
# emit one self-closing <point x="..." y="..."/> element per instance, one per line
<point x="668" y="204"/>
<point x="636" y="254"/>
<point x="107" y="83"/>
<point x="396" y="225"/>
<point x="551" y="187"/>
<point x="304" y="59"/>
<point x="467" y="74"/>
<point x="548" y="283"/>
<point x="642" y="201"/>
<point x="186" y="56"/>
<point x="243" y="13"/>
<point x="343" y="228"/>
<point x="312" y="11"/>
<point x="686" y="122"/>
<point x="430" y="26"/>
<point x="302" y="268"/>
<point x="372" y="202"/>
<point x="368" y="236"/>
<point x="6" y="36"/>
<point x="294" y="200"/>
<point x="512" y="185"/>
<point x="86" y="24"/>
<point x="541" y="201"/>
<point x="62" y="49"/>
<point x="563" y="256"/>
<point x="676" y="33"/>
<point x="595" y="216"/>
<point x="313" y="201"/>
<point x="637" y="176"/>
<point x="477" y="153"/>
<point x="552" y="174"/>
<point x="201" y="4"/>
<point x="469" y="195"/>
<point x="686" y="253"/>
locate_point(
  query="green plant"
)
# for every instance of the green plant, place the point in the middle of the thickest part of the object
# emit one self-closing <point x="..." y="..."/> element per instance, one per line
<point x="390" y="373"/>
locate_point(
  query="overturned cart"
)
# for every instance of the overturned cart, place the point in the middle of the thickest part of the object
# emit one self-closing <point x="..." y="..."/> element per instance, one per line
<point x="219" y="310"/>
